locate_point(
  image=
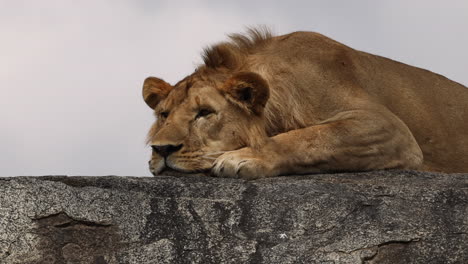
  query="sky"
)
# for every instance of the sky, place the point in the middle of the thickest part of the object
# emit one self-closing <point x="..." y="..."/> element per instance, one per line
<point x="71" y="72"/>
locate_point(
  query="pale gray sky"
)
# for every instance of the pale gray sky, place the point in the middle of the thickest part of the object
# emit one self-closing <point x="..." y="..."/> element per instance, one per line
<point x="71" y="71"/>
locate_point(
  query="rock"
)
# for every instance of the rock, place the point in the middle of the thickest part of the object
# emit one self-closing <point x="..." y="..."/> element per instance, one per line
<point x="374" y="217"/>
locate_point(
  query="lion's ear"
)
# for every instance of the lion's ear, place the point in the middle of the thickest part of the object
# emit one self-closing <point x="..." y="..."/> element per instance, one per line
<point x="155" y="90"/>
<point x="248" y="89"/>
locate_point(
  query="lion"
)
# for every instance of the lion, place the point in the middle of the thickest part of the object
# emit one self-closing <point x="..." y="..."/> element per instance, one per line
<point x="262" y="105"/>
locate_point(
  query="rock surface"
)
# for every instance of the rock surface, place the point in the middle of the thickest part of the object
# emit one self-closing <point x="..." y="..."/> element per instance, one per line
<point x="375" y="217"/>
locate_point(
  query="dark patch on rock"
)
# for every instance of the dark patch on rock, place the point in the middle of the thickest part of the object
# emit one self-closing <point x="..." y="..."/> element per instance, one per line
<point x="66" y="240"/>
<point x="391" y="252"/>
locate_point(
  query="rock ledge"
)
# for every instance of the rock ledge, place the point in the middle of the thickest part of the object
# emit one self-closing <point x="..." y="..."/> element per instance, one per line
<point x="374" y="217"/>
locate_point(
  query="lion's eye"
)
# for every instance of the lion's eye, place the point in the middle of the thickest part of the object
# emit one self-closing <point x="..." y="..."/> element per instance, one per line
<point x="204" y="112"/>
<point x="164" y="114"/>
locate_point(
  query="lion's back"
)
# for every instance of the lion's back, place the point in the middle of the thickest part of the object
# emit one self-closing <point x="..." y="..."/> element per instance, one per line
<point x="432" y="106"/>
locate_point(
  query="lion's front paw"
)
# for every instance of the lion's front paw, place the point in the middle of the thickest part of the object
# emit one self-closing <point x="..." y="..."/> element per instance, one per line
<point x="242" y="164"/>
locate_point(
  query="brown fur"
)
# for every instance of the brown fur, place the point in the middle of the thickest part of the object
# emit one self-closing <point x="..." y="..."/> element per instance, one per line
<point x="263" y="106"/>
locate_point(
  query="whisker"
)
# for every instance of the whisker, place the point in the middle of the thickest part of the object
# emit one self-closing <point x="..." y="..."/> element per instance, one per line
<point x="215" y="153"/>
<point x="208" y="158"/>
<point x="185" y="159"/>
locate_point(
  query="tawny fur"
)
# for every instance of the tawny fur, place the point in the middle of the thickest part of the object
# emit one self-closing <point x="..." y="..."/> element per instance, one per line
<point x="329" y="108"/>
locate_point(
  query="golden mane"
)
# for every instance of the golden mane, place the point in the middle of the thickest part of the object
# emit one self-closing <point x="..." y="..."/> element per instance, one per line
<point x="227" y="57"/>
<point x="231" y="54"/>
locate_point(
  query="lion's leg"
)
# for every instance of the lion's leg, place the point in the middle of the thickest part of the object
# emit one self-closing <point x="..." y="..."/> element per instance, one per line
<point x="350" y="141"/>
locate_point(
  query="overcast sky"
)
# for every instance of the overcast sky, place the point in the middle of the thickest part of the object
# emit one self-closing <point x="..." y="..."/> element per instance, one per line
<point x="71" y="71"/>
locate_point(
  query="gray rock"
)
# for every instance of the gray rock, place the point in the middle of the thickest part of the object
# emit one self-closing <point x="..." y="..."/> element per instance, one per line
<point x="374" y="217"/>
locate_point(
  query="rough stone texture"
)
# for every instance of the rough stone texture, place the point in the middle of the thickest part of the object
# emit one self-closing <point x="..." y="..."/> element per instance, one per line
<point x="375" y="217"/>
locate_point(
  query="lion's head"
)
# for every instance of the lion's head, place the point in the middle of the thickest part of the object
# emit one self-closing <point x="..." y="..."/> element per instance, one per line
<point x="203" y="116"/>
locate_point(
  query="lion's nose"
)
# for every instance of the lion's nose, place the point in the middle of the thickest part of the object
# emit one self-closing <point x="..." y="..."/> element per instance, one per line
<point x="166" y="150"/>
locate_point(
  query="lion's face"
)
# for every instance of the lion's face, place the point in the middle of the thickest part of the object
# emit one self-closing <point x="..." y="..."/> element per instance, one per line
<point x="199" y="120"/>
